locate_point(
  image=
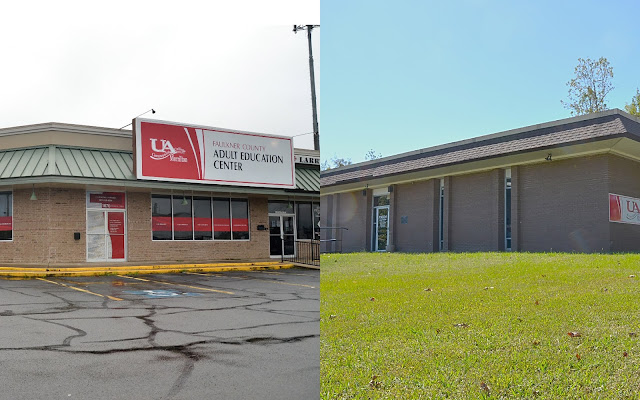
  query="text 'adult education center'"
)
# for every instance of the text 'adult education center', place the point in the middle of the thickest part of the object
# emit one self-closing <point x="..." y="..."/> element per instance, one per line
<point x="165" y="193"/>
<point x="567" y="185"/>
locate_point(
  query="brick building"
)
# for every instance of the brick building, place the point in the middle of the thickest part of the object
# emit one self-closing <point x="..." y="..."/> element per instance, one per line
<point x="70" y="195"/>
<point x="567" y="185"/>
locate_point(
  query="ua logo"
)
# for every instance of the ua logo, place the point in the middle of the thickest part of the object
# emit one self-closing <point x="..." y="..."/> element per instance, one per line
<point x="166" y="150"/>
<point x="166" y="146"/>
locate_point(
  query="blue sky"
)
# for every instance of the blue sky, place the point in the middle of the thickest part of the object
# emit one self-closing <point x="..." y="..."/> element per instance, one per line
<point x="404" y="75"/>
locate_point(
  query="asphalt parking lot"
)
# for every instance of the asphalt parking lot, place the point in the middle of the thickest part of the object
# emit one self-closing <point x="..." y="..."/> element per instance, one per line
<point x="227" y="335"/>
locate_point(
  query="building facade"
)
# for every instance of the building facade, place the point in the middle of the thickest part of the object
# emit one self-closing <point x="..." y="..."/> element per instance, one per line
<point x="71" y="195"/>
<point x="571" y="185"/>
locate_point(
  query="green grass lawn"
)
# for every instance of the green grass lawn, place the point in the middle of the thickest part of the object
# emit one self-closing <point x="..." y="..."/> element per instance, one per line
<point x="480" y="325"/>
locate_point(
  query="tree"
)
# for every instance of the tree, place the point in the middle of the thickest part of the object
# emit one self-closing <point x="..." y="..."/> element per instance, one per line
<point x="589" y="89"/>
<point x="335" y="162"/>
<point x="372" y="155"/>
<point x="634" y="107"/>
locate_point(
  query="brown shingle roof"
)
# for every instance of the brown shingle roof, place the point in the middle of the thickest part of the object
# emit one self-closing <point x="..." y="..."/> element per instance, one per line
<point x="570" y="131"/>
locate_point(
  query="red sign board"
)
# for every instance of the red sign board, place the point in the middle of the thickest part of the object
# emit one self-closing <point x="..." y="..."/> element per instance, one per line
<point x="106" y="200"/>
<point x="167" y="151"/>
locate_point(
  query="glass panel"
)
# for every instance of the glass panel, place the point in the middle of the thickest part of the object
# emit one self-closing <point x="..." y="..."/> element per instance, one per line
<point x="161" y="217"/>
<point x="280" y="206"/>
<point x="275" y="245"/>
<point x="96" y="247"/>
<point x="274" y="225"/>
<point x="289" y="245"/>
<point x="316" y="220"/>
<point x="240" y="219"/>
<point x="202" y="222"/>
<point x="6" y="219"/>
<point x="383" y="219"/>
<point x="221" y="219"/>
<point x="115" y="246"/>
<point x="380" y="201"/>
<point x="287" y="225"/>
<point x="305" y="220"/>
<point x="182" y="221"/>
<point x="95" y="222"/>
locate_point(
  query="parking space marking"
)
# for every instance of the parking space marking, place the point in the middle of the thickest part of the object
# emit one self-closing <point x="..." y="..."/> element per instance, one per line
<point x="78" y="289"/>
<point x="249" y="277"/>
<point x="282" y="273"/>
<point x="176" y="284"/>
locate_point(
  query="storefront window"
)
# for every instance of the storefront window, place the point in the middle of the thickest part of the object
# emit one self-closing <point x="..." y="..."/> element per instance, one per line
<point x="199" y="218"/>
<point x="202" y="225"/>
<point x="221" y="219"/>
<point x="305" y="220"/>
<point x="6" y="216"/>
<point x="240" y="219"/>
<point x="161" y="217"/>
<point x="280" y="207"/>
<point x="182" y="221"/>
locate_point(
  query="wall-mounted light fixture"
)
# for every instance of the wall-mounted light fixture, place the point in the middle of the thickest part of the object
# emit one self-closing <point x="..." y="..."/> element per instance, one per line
<point x="548" y="157"/>
<point x="184" y="200"/>
<point x="33" y="193"/>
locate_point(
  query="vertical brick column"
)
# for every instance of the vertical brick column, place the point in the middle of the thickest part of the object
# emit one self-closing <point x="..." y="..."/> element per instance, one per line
<point x="368" y="210"/>
<point x="434" y="187"/>
<point x="499" y="191"/>
<point x="391" y="247"/>
<point x="446" y="212"/>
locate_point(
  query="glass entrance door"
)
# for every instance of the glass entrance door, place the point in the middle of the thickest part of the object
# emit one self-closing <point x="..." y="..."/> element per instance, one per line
<point x="382" y="228"/>
<point x="282" y="235"/>
<point x="106" y="235"/>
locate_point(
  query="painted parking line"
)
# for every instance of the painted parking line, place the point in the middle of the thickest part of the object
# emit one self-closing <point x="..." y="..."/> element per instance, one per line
<point x="79" y="290"/>
<point x="283" y="273"/>
<point x="176" y="284"/>
<point x="250" y="277"/>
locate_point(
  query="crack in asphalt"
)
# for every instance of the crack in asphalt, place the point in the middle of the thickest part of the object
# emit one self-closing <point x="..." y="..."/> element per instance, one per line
<point x="187" y="352"/>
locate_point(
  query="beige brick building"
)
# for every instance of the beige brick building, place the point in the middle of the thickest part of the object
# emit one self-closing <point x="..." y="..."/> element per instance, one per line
<point x="69" y="196"/>
<point x="567" y="185"/>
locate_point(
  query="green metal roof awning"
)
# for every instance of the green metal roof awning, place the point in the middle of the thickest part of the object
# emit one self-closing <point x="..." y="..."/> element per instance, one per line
<point x="308" y="179"/>
<point x="110" y="165"/>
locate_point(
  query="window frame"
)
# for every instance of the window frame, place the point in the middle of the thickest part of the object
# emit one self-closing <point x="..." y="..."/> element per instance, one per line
<point x="9" y="212"/>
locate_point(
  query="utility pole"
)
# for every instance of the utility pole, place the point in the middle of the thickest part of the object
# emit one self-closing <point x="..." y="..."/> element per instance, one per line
<point x="316" y="131"/>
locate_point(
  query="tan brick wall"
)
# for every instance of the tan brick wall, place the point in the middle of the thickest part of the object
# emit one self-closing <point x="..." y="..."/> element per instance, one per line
<point x="141" y="247"/>
<point x="43" y="232"/>
<point x="564" y="205"/>
<point x="43" y="228"/>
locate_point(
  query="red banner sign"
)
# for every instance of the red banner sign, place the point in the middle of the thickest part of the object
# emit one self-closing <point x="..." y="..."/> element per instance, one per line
<point x="6" y="223"/>
<point x="161" y="224"/>
<point x="202" y="224"/>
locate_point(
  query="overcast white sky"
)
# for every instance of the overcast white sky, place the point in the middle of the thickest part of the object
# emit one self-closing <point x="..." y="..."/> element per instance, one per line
<point x="221" y="63"/>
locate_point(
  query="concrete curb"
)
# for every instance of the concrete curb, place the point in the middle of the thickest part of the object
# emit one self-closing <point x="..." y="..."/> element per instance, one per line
<point x="28" y="273"/>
